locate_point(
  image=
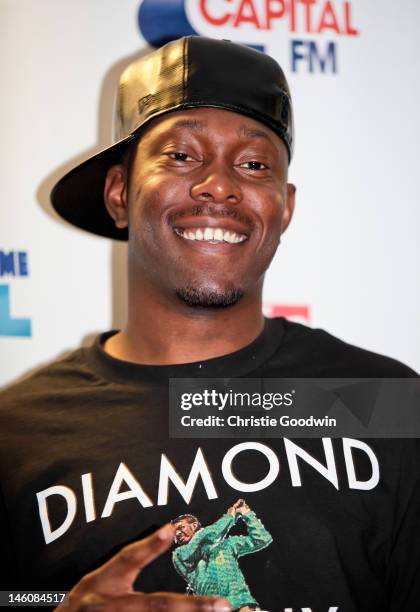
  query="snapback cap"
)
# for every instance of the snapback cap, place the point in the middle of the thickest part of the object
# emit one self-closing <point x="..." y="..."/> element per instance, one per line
<point x="186" y="73"/>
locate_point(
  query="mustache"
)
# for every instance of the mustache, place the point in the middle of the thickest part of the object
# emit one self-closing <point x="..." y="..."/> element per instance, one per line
<point x="209" y="210"/>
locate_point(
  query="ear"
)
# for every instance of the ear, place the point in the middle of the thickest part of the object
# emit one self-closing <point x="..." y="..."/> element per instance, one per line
<point x="115" y="195"/>
<point x="289" y="206"/>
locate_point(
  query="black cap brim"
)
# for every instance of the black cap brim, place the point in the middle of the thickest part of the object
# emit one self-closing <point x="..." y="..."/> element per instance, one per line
<point x="78" y="196"/>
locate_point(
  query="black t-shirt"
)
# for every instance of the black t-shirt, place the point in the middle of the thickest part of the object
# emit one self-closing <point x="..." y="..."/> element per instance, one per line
<point x="87" y="465"/>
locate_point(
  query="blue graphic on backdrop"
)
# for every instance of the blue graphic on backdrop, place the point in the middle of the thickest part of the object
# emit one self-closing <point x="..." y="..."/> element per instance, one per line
<point x="15" y="264"/>
<point x="308" y="54"/>
<point x="161" y="21"/>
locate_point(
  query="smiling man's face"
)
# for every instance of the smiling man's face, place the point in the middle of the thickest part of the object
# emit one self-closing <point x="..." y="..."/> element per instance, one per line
<point x="207" y="202"/>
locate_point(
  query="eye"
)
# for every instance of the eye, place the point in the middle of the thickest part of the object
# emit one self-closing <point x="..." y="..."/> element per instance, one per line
<point x="253" y="165"/>
<point x="179" y="156"/>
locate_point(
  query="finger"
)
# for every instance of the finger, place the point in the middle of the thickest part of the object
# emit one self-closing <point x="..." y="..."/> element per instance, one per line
<point x="81" y="602"/>
<point x="159" y="602"/>
<point x="117" y="575"/>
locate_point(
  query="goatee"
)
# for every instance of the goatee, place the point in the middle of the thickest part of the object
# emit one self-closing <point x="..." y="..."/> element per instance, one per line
<point x="203" y="297"/>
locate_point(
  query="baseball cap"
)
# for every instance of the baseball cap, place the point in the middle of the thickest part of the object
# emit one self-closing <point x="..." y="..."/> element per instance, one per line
<point x="189" y="72"/>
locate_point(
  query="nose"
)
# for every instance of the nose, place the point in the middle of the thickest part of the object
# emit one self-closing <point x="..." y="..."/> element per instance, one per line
<point x="217" y="185"/>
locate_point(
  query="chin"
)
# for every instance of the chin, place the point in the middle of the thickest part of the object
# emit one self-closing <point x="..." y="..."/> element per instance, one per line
<point x="209" y="297"/>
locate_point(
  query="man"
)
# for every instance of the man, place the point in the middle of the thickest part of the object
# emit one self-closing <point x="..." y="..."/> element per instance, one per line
<point x="207" y="558"/>
<point x="198" y="183"/>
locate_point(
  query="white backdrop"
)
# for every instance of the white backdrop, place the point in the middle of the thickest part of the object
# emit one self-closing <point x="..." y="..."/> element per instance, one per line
<point x="350" y="258"/>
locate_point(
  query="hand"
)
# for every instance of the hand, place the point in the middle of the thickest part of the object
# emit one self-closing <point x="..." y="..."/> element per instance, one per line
<point x="241" y="507"/>
<point x="110" y="587"/>
<point x="231" y="511"/>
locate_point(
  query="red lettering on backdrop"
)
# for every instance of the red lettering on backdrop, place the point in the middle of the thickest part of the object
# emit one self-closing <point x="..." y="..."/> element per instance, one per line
<point x="271" y="13"/>
<point x="247" y="14"/>
<point x="328" y="20"/>
<point x="292" y="9"/>
<point x="348" y="28"/>
<point x="216" y="21"/>
<point x="287" y="311"/>
<point x="308" y="13"/>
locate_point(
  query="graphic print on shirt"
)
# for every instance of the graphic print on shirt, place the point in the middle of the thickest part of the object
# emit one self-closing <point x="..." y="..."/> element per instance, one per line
<point x="126" y="483"/>
<point x="207" y="557"/>
<point x="281" y="482"/>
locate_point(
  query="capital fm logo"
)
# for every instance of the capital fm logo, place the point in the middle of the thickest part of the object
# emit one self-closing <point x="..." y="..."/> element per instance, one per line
<point x="306" y="32"/>
<point x="13" y="267"/>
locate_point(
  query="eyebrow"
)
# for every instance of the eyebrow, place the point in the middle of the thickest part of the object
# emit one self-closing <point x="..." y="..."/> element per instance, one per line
<point x="192" y="124"/>
<point x="200" y="126"/>
<point x="255" y="133"/>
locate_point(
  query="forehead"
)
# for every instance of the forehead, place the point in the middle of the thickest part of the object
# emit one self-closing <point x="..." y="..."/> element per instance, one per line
<point x="211" y="122"/>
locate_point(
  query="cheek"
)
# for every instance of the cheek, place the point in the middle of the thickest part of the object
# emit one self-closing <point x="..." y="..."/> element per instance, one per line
<point x="270" y="214"/>
<point x="149" y="200"/>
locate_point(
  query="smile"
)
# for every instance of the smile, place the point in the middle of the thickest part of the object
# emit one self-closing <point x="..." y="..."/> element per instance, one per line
<point x="213" y="235"/>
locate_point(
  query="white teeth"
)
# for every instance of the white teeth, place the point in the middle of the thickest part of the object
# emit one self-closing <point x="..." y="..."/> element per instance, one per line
<point x="210" y="234"/>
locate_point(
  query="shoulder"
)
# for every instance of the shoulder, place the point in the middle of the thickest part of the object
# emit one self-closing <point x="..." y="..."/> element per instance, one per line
<point x="65" y="373"/>
<point x="307" y="352"/>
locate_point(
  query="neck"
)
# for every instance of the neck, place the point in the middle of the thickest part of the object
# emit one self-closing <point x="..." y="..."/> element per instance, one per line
<point x="163" y="331"/>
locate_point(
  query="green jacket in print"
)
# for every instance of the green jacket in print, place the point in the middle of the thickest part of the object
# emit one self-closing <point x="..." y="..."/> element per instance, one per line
<point x="209" y="562"/>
